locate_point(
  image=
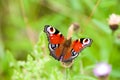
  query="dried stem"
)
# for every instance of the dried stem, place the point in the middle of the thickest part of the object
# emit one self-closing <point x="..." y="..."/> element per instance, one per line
<point x="93" y="11"/>
<point x="81" y="67"/>
<point x="73" y="27"/>
<point x="67" y="73"/>
<point x="30" y="32"/>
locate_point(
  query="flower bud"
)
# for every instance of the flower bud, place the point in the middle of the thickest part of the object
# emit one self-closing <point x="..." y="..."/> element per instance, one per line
<point x="114" y="21"/>
<point x="102" y="70"/>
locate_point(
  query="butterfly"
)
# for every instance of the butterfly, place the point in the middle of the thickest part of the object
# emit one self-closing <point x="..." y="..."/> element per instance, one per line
<point x="62" y="49"/>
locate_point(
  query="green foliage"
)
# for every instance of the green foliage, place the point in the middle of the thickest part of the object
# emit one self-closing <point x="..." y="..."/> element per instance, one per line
<point x="6" y="62"/>
<point x="24" y="55"/>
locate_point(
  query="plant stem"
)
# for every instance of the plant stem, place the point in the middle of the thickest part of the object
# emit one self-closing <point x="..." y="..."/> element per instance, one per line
<point x="66" y="73"/>
<point x="81" y="67"/>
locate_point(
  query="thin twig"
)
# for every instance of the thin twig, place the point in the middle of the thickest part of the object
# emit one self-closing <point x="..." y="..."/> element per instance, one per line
<point x="81" y="67"/>
<point x="66" y="73"/>
<point x="30" y="32"/>
<point x="93" y="11"/>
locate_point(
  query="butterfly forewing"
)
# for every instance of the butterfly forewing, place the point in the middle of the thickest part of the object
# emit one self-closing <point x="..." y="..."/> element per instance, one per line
<point x="56" y="39"/>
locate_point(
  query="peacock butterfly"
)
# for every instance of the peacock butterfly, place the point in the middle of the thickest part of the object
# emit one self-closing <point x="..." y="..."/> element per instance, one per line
<point x="62" y="49"/>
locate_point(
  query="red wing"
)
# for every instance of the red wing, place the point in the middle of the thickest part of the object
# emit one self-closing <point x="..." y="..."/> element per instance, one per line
<point x="76" y="47"/>
<point x="55" y="39"/>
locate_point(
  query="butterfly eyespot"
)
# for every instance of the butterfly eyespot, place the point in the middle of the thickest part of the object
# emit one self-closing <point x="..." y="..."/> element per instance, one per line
<point x="86" y="41"/>
<point x="74" y="54"/>
<point x="53" y="46"/>
<point x="51" y="30"/>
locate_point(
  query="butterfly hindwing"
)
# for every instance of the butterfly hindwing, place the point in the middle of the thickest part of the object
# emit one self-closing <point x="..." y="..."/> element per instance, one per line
<point x="55" y="40"/>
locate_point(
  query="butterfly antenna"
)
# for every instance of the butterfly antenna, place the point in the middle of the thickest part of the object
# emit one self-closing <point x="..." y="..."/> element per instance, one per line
<point x="73" y="27"/>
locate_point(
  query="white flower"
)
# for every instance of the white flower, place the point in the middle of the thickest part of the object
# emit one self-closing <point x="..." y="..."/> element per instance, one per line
<point x="114" y="19"/>
<point x="102" y="69"/>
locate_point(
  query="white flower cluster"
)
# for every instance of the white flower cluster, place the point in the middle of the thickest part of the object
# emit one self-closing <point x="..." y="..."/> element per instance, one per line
<point x="102" y="69"/>
<point x="114" y="19"/>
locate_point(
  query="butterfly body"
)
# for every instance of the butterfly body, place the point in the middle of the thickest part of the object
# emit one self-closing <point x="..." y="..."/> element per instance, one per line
<point x="62" y="49"/>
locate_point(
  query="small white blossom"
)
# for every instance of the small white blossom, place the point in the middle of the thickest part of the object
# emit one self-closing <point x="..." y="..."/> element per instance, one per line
<point x="102" y="69"/>
<point x="114" y="19"/>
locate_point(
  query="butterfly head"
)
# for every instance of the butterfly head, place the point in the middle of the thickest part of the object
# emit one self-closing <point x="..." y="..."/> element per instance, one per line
<point x="86" y="41"/>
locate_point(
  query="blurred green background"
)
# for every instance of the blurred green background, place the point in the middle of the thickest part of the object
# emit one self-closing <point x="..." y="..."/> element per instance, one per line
<point x="24" y="54"/>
